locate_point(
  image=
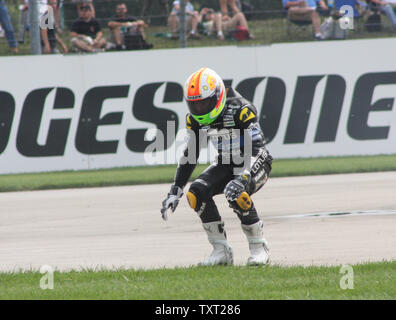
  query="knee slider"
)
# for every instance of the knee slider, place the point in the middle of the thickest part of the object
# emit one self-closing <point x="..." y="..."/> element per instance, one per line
<point x="197" y="194"/>
<point x="243" y="203"/>
<point x="192" y="200"/>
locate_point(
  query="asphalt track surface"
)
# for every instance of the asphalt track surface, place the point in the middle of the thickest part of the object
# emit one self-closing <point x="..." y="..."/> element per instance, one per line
<point x="121" y="226"/>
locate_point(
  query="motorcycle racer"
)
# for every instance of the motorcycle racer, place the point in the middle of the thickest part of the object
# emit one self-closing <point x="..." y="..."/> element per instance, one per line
<point x="242" y="166"/>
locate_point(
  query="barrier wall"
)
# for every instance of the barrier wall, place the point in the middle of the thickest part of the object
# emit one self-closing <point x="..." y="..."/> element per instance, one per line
<point x="95" y="111"/>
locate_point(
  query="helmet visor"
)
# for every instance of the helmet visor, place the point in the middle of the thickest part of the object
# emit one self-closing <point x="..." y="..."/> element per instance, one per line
<point x="201" y="107"/>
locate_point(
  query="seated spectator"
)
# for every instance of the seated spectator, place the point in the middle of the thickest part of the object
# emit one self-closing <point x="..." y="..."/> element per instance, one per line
<point x="191" y="20"/>
<point x="86" y="34"/>
<point x="84" y="3"/>
<point x="215" y="23"/>
<point x="49" y="36"/>
<point x="385" y="7"/>
<point x="5" y="22"/>
<point x="305" y="10"/>
<point x="123" y="26"/>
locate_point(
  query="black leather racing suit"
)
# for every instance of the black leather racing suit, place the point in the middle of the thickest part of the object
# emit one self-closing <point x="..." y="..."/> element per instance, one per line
<point x="240" y="143"/>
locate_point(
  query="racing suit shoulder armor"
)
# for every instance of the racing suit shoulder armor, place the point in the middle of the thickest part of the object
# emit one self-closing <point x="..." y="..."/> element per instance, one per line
<point x="244" y="111"/>
<point x="246" y="115"/>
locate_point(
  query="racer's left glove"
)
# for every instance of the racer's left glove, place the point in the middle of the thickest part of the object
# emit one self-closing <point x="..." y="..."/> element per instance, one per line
<point x="171" y="201"/>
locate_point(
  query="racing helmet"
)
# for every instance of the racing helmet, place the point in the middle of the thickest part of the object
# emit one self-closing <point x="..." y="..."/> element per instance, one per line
<point x="205" y="94"/>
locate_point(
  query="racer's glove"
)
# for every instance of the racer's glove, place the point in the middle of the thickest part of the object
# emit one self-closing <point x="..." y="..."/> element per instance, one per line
<point x="171" y="201"/>
<point x="234" y="188"/>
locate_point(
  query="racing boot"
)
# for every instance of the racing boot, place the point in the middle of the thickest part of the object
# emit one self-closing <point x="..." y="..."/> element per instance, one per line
<point x="222" y="251"/>
<point x="259" y="251"/>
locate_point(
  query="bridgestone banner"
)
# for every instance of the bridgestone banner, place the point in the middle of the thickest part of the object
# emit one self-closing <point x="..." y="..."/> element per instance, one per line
<point x="108" y="110"/>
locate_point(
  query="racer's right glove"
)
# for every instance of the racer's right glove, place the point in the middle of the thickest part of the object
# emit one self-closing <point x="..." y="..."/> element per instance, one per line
<point x="171" y="201"/>
<point x="236" y="187"/>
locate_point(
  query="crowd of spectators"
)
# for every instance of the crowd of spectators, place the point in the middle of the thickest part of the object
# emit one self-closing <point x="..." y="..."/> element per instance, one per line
<point x="86" y="34"/>
<point x="311" y="11"/>
<point x="126" y="32"/>
<point x="211" y="23"/>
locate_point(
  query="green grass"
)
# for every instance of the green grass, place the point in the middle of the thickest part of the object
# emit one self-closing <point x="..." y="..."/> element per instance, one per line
<point x="165" y="174"/>
<point x="267" y="31"/>
<point x="371" y="281"/>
